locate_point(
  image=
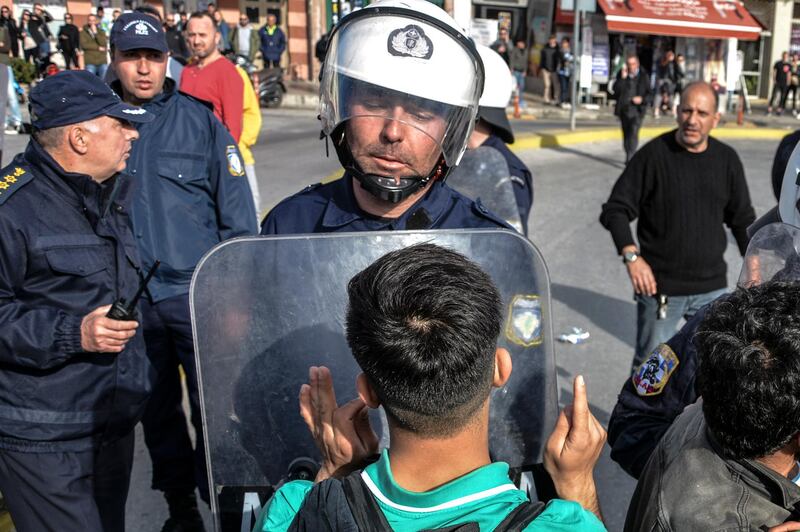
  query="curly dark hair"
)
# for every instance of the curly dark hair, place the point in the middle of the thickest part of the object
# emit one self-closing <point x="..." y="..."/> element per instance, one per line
<point x="748" y="349"/>
<point x="423" y="323"/>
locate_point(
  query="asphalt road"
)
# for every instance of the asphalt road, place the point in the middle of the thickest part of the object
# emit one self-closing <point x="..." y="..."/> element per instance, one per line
<point x="589" y="284"/>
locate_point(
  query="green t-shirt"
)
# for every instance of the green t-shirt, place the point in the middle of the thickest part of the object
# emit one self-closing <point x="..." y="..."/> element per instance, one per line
<point x="485" y="496"/>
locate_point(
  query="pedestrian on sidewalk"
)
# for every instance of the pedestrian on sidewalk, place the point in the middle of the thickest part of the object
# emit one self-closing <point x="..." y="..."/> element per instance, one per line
<point x="781" y="77"/>
<point x="244" y="39"/>
<point x="518" y="63"/>
<point x="94" y="43"/>
<point x="565" y="71"/>
<point x="550" y="59"/>
<point x="69" y="43"/>
<point x="631" y="90"/>
<point x="503" y="44"/>
<point x="273" y="42"/>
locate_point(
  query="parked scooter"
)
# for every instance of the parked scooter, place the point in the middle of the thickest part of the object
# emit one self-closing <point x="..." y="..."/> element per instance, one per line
<point x="269" y="82"/>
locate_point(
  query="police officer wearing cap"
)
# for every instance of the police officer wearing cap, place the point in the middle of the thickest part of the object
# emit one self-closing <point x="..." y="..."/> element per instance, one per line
<point x="191" y="194"/>
<point x="493" y="129"/>
<point x="73" y="382"/>
<point x="398" y="100"/>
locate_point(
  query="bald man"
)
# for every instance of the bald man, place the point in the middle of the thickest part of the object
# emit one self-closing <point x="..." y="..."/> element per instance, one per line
<point x="682" y="186"/>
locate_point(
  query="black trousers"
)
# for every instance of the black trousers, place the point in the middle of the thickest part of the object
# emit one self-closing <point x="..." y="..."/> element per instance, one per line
<point x="168" y="337"/>
<point x="70" y="58"/>
<point x="68" y="491"/>
<point x="630" y="134"/>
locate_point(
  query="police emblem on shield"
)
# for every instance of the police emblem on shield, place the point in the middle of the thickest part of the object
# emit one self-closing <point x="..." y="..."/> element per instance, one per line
<point x="235" y="166"/>
<point x="410" y="41"/>
<point x="524" y="325"/>
<point x="651" y="377"/>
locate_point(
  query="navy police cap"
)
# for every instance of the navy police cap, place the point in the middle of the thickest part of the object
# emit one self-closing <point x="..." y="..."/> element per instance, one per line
<point x="75" y="96"/>
<point x="133" y="31"/>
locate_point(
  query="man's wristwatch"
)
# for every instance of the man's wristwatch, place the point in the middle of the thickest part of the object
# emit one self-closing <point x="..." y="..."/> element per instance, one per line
<point x="630" y="256"/>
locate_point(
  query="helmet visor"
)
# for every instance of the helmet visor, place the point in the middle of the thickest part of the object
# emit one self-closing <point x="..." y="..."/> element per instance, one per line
<point x="388" y="116"/>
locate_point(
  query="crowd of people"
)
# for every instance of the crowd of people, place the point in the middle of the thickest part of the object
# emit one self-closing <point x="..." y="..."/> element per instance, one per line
<point x="141" y="168"/>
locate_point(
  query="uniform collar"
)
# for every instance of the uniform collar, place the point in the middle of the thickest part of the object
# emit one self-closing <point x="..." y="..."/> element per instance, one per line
<point x="490" y="478"/>
<point x="343" y="209"/>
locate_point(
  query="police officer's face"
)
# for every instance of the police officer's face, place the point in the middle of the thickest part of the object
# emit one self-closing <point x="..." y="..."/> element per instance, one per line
<point x="398" y="140"/>
<point x="697" y="116"/>
<point x="202" y="36"/>
<point x="141" y="73"/>
<point x="107" y="143"/>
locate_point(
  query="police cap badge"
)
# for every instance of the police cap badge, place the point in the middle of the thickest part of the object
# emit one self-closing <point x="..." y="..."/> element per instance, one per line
<point x="410" y="41"/>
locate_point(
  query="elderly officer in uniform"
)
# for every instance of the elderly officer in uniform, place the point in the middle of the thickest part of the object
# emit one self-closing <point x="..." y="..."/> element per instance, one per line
<point x="73" y="383"/>
<point x="191" y="194"/>
<point x="398" y="100"/>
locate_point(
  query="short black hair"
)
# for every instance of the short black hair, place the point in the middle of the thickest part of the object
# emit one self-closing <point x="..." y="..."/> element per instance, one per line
<point x="423" y="323"/>
<point x="203" y="14"/>
<point x="748" y="348"/>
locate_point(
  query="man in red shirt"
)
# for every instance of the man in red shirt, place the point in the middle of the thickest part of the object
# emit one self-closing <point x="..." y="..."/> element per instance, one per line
<point x="210" y="76"/>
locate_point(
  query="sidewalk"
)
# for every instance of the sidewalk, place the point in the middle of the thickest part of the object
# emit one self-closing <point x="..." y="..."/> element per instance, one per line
<point x="600" y="118"/>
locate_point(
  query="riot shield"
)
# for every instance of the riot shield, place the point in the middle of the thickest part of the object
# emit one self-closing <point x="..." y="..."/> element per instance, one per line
<point x="772" y="254"/>
<point x="483" y="174"/>
<point x="264" y="309"/>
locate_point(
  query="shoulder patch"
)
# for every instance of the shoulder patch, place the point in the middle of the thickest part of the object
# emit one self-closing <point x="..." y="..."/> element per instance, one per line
<point x="14" y="179"/>
<point x="654" y="373"/>
<point x="235" y="165"/>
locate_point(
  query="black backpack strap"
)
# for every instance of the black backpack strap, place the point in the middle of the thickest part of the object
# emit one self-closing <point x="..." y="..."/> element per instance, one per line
<point x="520" y="517"/>
<point x="324" y="509"/>
<point x="366" y="512"/>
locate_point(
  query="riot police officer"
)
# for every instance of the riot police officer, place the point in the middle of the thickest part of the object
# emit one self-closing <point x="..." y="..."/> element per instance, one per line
<point x="493" y="129"/>
<point x="73" y="382"/>
<point x="398" y="99"/>
<point x="191" y="194"/>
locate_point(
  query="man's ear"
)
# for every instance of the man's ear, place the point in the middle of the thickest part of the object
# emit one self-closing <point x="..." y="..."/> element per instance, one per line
<point x="502" y="367"/>
<point x="78" y="138"/>
<point x="366" y="392"/>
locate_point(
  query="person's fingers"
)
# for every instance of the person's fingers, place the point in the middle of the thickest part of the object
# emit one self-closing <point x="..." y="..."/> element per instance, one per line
<point x="117" y="325"/>
<point x="789" y="526"/>
<point x="580" y="406"/>
<point x="306" y="410"/>
<point x="555" y="443"/>
<point x="102" y="332"/>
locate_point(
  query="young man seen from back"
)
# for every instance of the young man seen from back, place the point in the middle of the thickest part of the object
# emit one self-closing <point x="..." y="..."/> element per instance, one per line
<point x="422" y="324"/>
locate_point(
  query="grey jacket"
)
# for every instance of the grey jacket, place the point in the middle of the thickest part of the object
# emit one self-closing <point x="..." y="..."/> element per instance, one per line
<point x="687" y="485"/>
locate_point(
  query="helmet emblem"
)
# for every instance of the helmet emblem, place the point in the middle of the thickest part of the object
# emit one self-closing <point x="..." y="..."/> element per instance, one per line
<point x="410" y="41"/>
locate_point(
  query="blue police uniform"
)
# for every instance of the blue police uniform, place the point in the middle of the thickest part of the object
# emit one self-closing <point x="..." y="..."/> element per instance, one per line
<point x="520" y="176"/>
<point x="332" y="207"/>
<point x="191" y="194"/>
<point x="66" y="416"/>
<point x="651" y="400"/>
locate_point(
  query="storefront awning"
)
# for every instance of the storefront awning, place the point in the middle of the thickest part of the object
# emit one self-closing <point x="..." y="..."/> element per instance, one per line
<point x="711" y="19"/>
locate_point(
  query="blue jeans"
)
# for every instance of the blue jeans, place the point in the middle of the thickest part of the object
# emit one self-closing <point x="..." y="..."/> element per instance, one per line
<point x="519" y="76"/>
<point x="98" y="70"/>
<point x="650" y="331"/>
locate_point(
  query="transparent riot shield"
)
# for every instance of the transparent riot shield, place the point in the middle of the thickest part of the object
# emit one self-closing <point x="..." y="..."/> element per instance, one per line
<point x="264" y="309"/>
<point x="483" y="174"/>
<point x="772" y="254"/>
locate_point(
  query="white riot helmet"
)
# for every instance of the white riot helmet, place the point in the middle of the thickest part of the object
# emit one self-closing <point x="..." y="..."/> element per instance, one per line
<point x="407" y="61"/>
<point x="788" y="209"/>
<point x="497" y="90"/>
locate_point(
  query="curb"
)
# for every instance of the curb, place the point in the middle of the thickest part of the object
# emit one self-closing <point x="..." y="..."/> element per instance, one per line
<point x="555" y="139"/>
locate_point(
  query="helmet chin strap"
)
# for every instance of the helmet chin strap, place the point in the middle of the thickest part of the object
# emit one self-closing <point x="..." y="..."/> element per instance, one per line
<point x="385" y="187"/>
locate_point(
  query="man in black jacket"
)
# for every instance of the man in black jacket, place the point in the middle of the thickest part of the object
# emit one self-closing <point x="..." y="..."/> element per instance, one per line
<point x="7" y="21"/>
<point x="682" y="186"/>
<point x="631" y="90"/>
<point x="550" y="58"/>
<point x="729" y="462"/>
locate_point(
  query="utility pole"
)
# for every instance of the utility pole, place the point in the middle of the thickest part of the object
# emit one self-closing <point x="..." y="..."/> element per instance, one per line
<point x="576" y="65"/>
